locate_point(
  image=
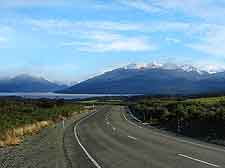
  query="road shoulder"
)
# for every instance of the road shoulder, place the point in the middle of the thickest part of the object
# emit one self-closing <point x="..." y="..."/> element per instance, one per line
<point x="49" y="148"/>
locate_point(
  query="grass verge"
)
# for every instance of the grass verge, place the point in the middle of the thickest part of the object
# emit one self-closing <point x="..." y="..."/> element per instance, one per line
<point x="26" y="117"/>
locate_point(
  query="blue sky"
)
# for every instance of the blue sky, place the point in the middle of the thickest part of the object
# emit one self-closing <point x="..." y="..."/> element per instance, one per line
<point x="72" y="40"/>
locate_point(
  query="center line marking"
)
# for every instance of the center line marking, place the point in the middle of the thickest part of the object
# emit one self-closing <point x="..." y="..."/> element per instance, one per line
<point x="131" y="137"/>
<point x="197" y="160"/>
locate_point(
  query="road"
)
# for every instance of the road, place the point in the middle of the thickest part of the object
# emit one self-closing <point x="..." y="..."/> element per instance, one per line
<point x="109" y="138"/>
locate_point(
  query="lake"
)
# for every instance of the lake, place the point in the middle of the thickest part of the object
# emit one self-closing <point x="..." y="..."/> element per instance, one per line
<point x="59" y="96"/>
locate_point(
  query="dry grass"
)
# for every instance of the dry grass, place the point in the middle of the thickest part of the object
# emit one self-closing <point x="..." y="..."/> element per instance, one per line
<point x="14" y="136"/>
<point x="19" y="117"/>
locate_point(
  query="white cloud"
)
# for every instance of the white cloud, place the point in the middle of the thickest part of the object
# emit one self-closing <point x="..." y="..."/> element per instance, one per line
<point x="5" y="32"/>
<point x="111" y="36"/>
<point x="97" y="36"/>
<point x="102" y="36"/>
<point x="202" y="8"/>
<point x="207" y="9"/>
<point x="71" y="27"/>
<point x="59" y="26"/>
<point x="212" y="42"/>
<point x="104" y="42"/>
<point x="140" y="4"/>
<point x="130" y="45"/>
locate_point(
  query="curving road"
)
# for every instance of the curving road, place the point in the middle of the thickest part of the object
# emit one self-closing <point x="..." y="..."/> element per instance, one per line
<point x="110" y="138"/>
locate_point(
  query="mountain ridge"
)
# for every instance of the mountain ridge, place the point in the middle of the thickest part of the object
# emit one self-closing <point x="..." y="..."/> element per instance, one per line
<point x="152" y="79"/>
<point x="28" y="83"/>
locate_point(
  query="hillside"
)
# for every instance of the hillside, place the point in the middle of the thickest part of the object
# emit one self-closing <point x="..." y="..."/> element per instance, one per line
<point x="154" y="79"/>
<point x="26" y="83"/>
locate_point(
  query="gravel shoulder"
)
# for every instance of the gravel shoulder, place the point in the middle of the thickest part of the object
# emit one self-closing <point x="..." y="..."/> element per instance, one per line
<point x="50" y="148"/>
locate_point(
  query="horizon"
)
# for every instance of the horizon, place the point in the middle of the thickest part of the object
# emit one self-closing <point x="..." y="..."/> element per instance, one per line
<point x="76" y="40"/>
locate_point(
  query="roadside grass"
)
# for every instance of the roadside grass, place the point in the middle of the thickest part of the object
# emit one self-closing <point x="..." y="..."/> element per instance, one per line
<point x="207" y="100"/>
<point x="20" y="118"/>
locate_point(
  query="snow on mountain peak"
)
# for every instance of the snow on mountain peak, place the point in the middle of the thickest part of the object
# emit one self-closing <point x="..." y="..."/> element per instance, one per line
<point x="135" y="66"/>
<point x="167" y="66"/>
<point x="154" y="65"/>
<point x="211" y="69"/>
<point x="144" y="66"/>
<point x="172" y="66"/>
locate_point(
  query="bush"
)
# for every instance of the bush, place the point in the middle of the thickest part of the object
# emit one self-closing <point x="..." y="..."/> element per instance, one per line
<point x="17" y="113"/>
<point x="203" y="118"/>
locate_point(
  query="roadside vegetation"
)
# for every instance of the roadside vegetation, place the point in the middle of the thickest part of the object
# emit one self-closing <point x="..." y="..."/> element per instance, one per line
<point x="21" y="117"/>
<point x="203" y="118"/>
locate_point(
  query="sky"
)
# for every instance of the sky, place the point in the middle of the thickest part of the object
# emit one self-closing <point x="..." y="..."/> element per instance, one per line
<point x="73" y="40"/>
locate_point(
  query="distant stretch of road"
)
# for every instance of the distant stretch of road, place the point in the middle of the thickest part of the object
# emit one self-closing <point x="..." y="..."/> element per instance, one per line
<point x="110" y="138"/>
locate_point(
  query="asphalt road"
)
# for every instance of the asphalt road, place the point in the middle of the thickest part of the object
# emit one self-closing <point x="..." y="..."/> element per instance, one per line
<point x="109" y="138"/>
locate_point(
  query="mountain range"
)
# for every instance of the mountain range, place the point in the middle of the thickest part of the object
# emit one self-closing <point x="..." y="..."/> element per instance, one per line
<point x="152" y="79"/>
<point x="27" y="83"/>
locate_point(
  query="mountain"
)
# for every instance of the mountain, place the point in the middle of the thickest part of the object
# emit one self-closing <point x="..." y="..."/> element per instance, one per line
<point x="26" y="83"/>
<point x="152" y="79"/>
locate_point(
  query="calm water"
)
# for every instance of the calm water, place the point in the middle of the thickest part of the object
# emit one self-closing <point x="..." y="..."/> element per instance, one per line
<point x="59" y="96"/>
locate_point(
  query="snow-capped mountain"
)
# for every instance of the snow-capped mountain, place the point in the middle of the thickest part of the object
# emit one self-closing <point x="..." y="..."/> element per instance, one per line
<point x="210" y="69"/>
<point x="153" y="65"/>
<point x="153" y="79"/>
<point x="167" y="66"/>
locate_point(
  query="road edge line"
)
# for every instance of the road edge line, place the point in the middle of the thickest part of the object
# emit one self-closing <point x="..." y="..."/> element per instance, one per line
<point x="131" y="114"/>
<point x="83" y="148"/>
<point x="198" y="160"/>
<point x="176" y="138"/>
<point x="132" y="123"/>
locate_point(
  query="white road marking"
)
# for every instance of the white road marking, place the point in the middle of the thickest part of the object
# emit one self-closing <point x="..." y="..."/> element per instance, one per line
<point x="63" y="123"/>
<point x="177" y="139"/>
<point x="145" y="123"/>
<point x="108" y="123"/>
<point x="98" y="166"/>
<point x="132" y="123"/>
<point x="131" y="137"/>
<point x="134" y="116"/>
<point x="200" y="145"/>
<point x="197" y="160"/>
<point x="83" y="148"/>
